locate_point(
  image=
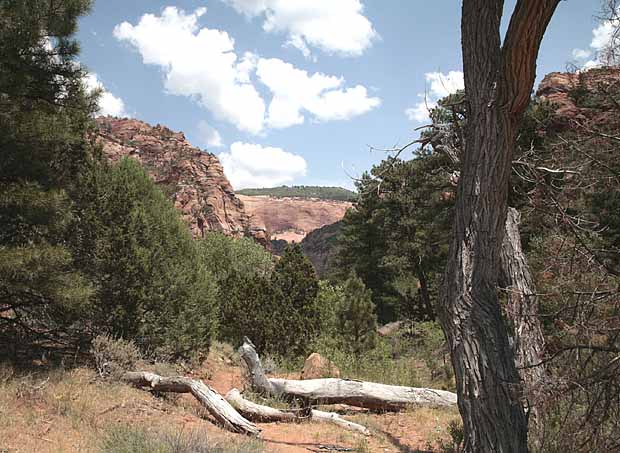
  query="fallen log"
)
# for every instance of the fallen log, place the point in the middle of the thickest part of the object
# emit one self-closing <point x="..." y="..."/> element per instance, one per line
<point x="260" y="413"/>
<point x="342" y="391"/>
<point x="217" y="406"/>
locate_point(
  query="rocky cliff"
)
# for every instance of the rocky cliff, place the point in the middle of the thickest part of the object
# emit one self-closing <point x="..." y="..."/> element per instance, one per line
<point x="291" y="219"/>
<point x="194" y="179"/>
<point x="565" y="90"/>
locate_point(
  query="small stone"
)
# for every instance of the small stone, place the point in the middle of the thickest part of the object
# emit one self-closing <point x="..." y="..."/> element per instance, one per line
<point x="316" y="366"/>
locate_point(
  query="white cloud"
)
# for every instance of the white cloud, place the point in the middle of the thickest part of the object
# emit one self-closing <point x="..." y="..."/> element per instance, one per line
<point x="334" y="26"/>
<point x="199" y="63"/>
<point x="295" y="91"/>
<point x="108" y="103"/>
<point x="209" y="135"/>
<point x="581" y="54"/>
<point x="252" y="165"/>
<point x="439" y="86"/>
<point x="602" y="37"/>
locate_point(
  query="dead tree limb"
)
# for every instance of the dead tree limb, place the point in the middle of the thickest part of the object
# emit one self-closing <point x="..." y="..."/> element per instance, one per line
<point x="342" y="391"/>
<point x="260" y="413"/>
<point x="217" y="406"/>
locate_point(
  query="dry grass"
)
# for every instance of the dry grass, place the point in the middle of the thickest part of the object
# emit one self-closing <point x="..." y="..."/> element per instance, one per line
<point x="75" y="411"/>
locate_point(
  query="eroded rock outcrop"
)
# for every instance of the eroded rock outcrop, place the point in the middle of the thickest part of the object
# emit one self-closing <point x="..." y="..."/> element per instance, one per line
<point x="565" y="90"/>
<point x="291" y="218"/>
<point x="194" y="179"/>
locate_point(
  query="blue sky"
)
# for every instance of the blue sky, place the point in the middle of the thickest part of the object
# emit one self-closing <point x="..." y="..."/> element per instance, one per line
<point x="293" y="91"/>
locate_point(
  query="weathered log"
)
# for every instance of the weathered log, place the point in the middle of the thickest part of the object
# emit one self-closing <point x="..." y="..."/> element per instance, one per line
<point x="342" y="391"/>
<point x="332" y="417"/>
<point x="260" y="413"/>
<point x="217" y="406"/>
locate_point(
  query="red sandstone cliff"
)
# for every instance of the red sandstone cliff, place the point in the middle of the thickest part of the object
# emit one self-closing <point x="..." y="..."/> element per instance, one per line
<point x="194" y="179"/>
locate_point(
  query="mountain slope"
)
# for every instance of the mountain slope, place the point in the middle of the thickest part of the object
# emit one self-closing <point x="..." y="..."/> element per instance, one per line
<point x="193" y="179"/>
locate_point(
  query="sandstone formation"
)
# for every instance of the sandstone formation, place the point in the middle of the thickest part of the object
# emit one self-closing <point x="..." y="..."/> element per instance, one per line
<point x="563" y="89"/>
<point x="316" y="367"/>
<point x="291" y="219"/>
<point x="194" y="179"/>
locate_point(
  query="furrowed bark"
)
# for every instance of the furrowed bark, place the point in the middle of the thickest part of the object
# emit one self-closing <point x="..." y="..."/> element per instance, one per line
<point x="260" y="413"/>
<point x="217" y="406"/>
<point x="498" y="83"/>
<point x="343" y="391"/>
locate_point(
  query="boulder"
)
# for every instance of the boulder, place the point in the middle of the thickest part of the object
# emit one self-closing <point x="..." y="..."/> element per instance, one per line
<point x="316" y="367"/>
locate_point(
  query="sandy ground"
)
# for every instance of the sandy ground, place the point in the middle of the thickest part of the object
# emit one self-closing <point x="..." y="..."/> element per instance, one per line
<point x="70" y="411"/>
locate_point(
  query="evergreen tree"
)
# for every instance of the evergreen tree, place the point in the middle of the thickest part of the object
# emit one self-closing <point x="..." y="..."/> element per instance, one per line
<point x="357" y="321"/>
<point x="280" y="312"/>
<point x="44" y="119"/>
<point x="152" y="284"/>
<point x="396" y="238"/>
<point x="295" y="279"/>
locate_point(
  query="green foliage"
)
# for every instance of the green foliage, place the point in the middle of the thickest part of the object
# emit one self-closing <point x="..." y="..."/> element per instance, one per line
<point x="322" y="193"/>
<point x="225" y="256"/>
<point x="152" y="284"/>
<point x="279" y="312"/>
<point x="396" y="238"/>
<point x="357" y="322"/>
<point x="44" y="118"/>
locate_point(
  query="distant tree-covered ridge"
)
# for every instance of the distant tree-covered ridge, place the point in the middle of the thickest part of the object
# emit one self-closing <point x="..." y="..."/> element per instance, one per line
<point x="323" y="193"/>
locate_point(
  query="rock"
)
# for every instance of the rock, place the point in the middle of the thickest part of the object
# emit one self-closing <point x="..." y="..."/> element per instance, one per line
<point x="192" y="178"/>
<point x="292" y="218"/>
<point x="316" y="367"/>
<point x="556" y="88"/>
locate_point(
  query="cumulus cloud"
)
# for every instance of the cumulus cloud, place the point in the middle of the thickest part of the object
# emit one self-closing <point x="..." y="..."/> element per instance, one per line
<point x="208" y="135"/>
<point x="252" y="165"/>
<point x="603" y="37"/>
<point x="108" y="103"/>
<point x="199" y="63"/>
<point x="439" y="86"/>
<point x="295" y="91"/>
<point x="334" y="26"/>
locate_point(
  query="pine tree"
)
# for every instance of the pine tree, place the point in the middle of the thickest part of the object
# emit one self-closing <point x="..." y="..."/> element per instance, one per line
<point x="357" y="321"/>
<point x="44" y="117"/>
<point x="295" y="279"/>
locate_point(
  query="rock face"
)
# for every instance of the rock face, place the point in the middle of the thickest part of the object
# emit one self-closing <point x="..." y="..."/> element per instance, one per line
<point x="194" y="179"/>
<point x="563" y="89"/>
<point x="316" y="367"/>
<point x="320" y="246"/>
<point x="291" y="219"/>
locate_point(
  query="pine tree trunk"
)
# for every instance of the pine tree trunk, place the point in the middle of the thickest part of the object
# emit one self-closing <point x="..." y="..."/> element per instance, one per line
<point x="498" y="82"/>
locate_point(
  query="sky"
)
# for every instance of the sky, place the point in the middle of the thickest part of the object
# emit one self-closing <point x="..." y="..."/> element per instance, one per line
<point x="296" y="91"/>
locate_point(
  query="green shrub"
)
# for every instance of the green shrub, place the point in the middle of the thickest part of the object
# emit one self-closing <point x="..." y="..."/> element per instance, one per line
<point x="356" y="318"/>
<point x="152" y="285"/>
<point x="278" y="312"/>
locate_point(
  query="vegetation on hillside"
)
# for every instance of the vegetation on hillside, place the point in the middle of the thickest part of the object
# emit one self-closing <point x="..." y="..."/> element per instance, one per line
<point x="320" y="192"/>
<point x="94" y="257"/>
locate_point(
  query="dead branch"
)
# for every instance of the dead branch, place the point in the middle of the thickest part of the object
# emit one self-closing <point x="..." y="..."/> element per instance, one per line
<point x="217" y="406"/>
<point x="342" y="391"/>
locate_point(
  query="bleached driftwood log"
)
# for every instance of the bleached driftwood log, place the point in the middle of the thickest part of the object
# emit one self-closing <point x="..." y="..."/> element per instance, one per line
<point x="260" y="413"/>
<point x="217" y="406"/>
<point x="342" y="391"/>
